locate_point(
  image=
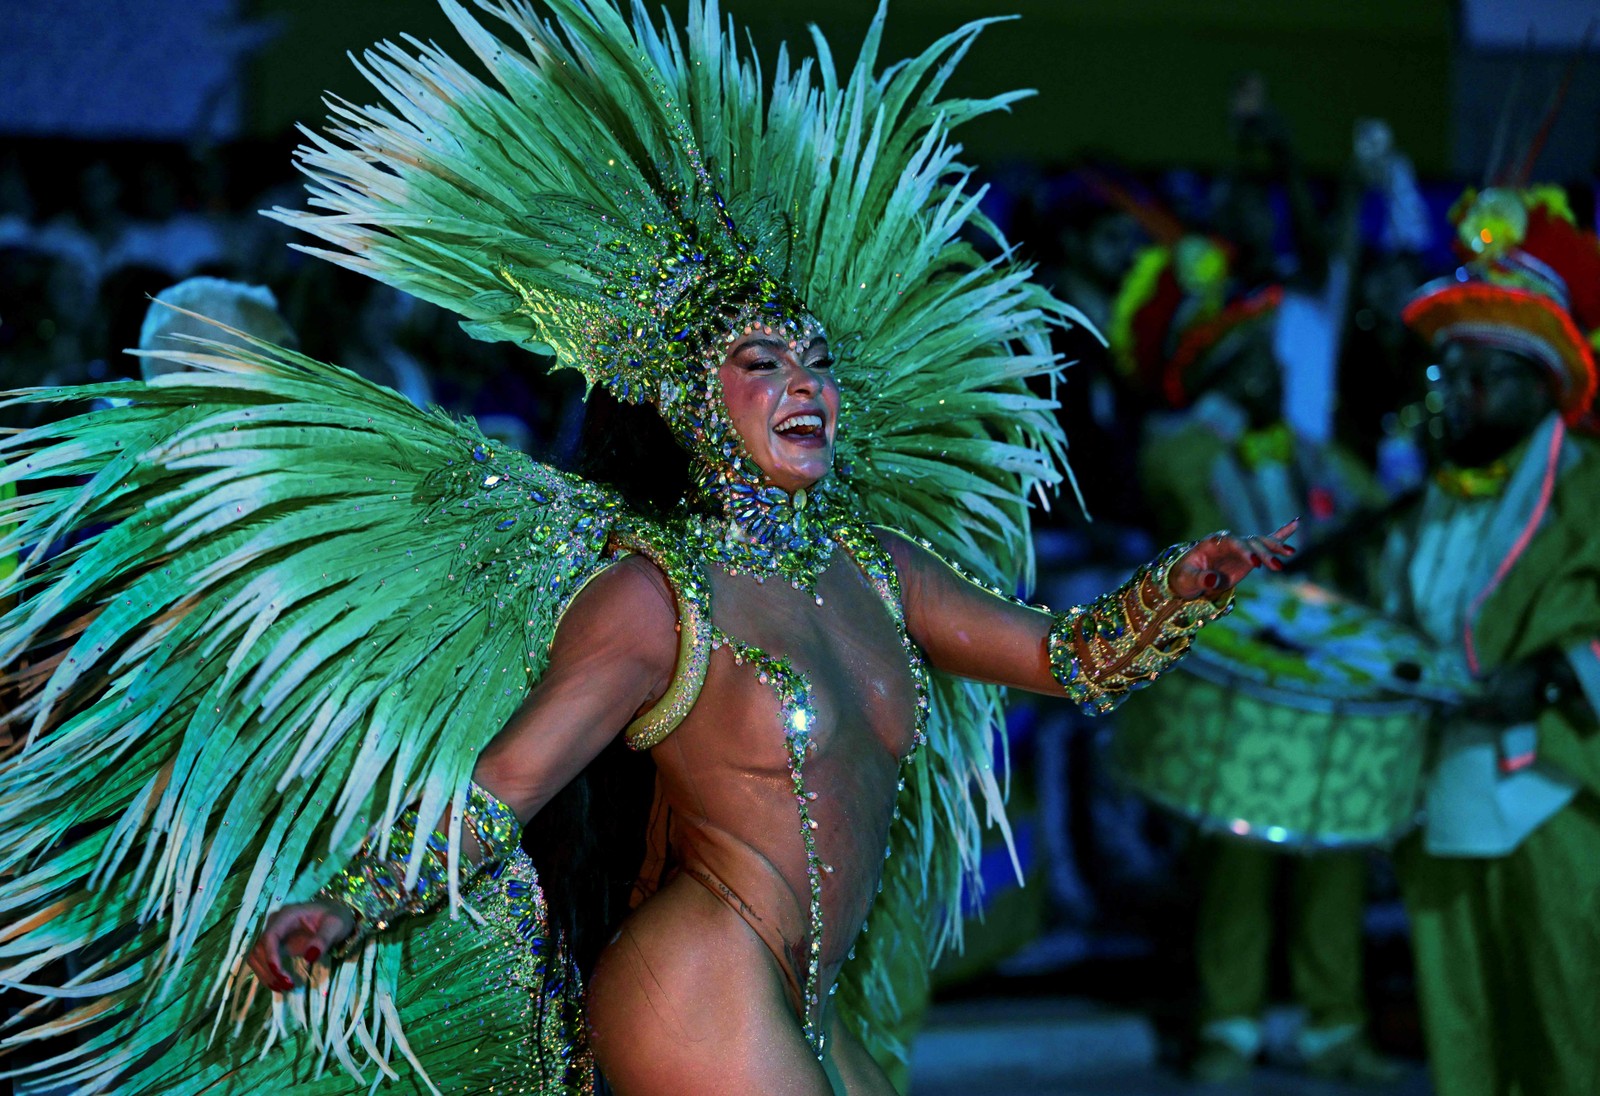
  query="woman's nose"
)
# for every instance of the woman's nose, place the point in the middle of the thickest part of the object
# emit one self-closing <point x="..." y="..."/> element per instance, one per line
<point x="804" y="381"/>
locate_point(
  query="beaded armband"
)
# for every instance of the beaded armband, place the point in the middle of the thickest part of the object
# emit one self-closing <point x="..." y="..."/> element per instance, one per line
<point x="373" y="887"/>
<point x="1124" y="640"/>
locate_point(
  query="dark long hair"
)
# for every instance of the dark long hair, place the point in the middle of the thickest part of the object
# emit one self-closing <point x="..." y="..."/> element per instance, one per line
<point x="589" y="840"/>
<point x="627" y="447"/>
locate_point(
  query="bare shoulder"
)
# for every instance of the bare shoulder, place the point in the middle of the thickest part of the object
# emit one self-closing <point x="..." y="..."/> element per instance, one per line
<point x="636" y="581"/>
<point x="629" y="603"/>
<point x="896" y="543"/>
<point x="908" y="556"/>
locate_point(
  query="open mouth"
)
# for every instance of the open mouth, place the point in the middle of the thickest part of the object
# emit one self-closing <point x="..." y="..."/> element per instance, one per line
<point x="803" y="428"/>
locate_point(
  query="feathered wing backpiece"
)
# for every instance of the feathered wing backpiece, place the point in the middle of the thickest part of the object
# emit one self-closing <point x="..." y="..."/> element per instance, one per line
<point x="289" y="609"/>
<point x="289" y="592"/>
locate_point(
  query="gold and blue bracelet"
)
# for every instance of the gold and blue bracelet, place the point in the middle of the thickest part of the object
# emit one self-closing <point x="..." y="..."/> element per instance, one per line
<point x="1125" y="639"/>
<point x="373" y="887"/>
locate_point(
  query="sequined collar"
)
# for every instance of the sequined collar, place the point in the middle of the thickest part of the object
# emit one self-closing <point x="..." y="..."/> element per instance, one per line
<point x="763" y="531"/>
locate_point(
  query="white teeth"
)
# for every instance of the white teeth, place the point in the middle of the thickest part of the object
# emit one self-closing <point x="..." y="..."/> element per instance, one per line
<point x="797" y="421"/>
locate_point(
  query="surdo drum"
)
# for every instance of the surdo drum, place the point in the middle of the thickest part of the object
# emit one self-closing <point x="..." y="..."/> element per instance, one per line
<point x="1300" y="720"/>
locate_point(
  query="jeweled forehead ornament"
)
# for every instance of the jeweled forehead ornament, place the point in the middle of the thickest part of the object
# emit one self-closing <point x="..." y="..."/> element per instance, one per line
<point x="669" y="296"/>
<point x="799" y="332"/>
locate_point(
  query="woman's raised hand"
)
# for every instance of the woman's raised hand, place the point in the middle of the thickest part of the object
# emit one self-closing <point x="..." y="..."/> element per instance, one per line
<point x="305" y="930"/>
<point x="1220" y="562"/>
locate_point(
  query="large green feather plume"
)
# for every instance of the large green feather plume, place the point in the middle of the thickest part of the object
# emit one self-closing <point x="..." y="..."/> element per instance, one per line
<point x="292" y="609"/>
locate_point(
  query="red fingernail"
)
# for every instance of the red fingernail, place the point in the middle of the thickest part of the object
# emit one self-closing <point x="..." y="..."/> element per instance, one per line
<point x="1255" y="560"/>
<point x="1291" y="549"/>
<point x="313" y="953"/>
<point x="1210" y="580"/>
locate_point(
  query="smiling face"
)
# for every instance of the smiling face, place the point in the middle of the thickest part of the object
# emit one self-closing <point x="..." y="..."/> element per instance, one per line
<point x="784" y="403"/>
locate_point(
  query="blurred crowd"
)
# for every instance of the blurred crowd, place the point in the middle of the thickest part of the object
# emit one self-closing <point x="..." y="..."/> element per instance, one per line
<point x="90" y="233"/>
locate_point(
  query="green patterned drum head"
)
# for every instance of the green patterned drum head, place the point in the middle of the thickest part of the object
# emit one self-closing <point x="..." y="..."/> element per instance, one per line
<point x="1300" y="720"/>
<point x="1298" y="643"/>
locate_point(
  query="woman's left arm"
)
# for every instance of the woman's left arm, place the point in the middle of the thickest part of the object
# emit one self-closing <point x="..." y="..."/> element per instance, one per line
<point x="1093" y="654"/>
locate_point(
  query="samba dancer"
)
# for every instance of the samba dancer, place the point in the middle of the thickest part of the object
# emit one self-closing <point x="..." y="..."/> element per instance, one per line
<point x="315" y="604"/>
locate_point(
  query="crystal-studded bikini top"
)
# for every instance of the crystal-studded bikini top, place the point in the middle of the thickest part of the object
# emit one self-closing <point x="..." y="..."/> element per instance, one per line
<point x="697" y="636"/>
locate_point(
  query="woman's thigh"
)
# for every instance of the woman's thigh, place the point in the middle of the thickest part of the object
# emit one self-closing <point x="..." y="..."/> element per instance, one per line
<point x="687" y="999"/>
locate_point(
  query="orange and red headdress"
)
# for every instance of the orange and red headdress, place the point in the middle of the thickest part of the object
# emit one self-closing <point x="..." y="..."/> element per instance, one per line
<point x="1530" y="284"/>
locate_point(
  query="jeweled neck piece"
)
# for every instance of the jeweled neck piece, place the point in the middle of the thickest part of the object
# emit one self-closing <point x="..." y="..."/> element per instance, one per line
<point x="1474" y="483"/>
<point x="762" y="530"/>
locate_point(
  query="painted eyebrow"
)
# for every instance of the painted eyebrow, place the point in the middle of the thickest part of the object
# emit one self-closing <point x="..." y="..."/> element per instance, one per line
<point x="764" y="342"/>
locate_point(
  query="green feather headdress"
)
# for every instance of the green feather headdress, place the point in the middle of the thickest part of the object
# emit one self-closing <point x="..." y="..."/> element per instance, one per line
<point x="627" y="193"/>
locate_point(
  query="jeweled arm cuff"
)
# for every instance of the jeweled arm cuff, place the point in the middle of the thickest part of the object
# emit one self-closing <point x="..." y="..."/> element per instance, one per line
<point x="1124" y="640"/>
<point x="373" y="886"/>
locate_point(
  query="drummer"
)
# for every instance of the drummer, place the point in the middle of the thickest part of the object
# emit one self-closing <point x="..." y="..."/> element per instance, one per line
<point x="1219" y="457"/>
<point x="1500" y="565"/>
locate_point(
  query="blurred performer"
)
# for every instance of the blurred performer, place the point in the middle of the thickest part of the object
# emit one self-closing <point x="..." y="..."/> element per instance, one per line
<point x="1222" y="457"/>
<point x="174" y="321"/>
<point x="1225" y="452"/>
<point x="1499" y="565"/>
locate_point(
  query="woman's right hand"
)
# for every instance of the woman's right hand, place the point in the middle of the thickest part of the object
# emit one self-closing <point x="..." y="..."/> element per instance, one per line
<point x="308" y="930"/>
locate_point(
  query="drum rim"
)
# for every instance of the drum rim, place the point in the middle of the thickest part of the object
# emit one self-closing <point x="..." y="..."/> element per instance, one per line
<point x="1293" y="841"/>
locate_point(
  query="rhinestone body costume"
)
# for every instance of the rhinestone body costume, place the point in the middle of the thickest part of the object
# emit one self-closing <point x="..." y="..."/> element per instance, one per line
<point x="777" y="789"/>
<point x="807" y="704"/>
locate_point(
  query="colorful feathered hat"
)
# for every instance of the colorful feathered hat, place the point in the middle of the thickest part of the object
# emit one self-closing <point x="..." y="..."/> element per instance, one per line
<point x="1530" y="284"/>
<point x="1170" y="288"/>
<point x="1215" y="338"/>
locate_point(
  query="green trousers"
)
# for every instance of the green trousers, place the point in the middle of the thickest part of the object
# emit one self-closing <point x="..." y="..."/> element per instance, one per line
<point x="1508" y="961"/>
<point x="1234" y="937"/>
